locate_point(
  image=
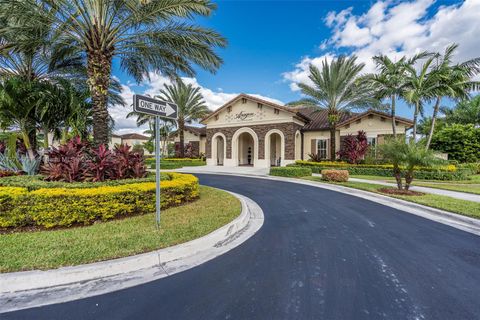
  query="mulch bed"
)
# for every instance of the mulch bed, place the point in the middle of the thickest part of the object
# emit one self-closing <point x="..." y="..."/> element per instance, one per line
<point x="401" y="192"/>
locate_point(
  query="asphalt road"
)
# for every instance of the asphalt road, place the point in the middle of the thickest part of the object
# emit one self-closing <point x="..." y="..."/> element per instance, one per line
<point x="319" y="255"/>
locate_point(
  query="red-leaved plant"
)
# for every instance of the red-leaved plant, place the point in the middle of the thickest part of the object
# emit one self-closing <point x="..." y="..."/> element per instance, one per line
<point x="354" y="148"/>
<point x="77" y="161"/>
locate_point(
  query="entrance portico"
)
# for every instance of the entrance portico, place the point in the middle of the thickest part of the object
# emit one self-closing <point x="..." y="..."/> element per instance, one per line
<point x="254" y="133"/>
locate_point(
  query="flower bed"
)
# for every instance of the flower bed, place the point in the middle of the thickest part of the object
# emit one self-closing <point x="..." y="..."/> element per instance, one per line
<point x="64" y="207"/>
<point x="449" y="172"/>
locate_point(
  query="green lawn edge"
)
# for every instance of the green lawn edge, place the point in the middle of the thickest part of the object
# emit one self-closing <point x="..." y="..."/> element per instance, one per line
<point x="119" y="238"/>
<point x="458" y="206"/>
<point x="467" y="186"/>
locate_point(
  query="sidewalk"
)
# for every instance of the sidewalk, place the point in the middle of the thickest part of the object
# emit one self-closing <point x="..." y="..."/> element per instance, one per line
<point x="441" y="192"/>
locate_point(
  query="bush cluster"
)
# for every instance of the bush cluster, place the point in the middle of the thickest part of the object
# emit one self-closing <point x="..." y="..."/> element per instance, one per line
<point x="449" y="172"/>
<point x="461" y="142"/>
<point x="77" y="161"/>
<point x="290" y="172"/>
<point x="335" y="175"/>
<point x="63" y="207"/>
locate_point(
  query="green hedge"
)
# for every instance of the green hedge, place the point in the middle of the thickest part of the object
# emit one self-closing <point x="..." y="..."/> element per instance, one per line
<point x="63" y="207"/>
<point x="460" y="174"/>
<point x="290" y="171"/>
<point x="175" y="163"/>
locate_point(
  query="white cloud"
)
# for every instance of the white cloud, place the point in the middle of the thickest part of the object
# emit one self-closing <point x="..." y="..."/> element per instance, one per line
<point x="396" y="29"/>
<point x="213" y="98"/>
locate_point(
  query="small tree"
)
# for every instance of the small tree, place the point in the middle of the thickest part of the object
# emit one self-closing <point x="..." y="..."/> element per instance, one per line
<point x="405" y="157"/>
<point x="354" y="148"/>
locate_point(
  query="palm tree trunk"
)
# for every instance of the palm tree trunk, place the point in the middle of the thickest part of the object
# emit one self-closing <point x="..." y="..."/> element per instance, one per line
<point x="28" y="145"/>
<point x="333" y="130"/>
<point x="99" y="67"/>
<point x="394" y="125"/>
<point x="398" y="176"/>
<point x="415" y="119"/>
<point x="181" y="126"/>
<point x="45" y="139"/>
<point x="434" y="118"/>
<point x="408" y="179"/>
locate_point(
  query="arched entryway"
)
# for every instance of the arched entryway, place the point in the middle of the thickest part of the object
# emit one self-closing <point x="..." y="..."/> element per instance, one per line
<point x="274" y="147"/>
<point x="219" y="149"/>
<point x="245" y="147"/>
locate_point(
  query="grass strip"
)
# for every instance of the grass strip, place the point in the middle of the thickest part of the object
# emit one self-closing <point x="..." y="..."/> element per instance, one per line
<point x="119" y="238"/>
<point x="463" y="207"/>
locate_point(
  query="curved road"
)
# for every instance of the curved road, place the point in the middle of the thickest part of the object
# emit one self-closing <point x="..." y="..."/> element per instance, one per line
<point x="319" y="255"/>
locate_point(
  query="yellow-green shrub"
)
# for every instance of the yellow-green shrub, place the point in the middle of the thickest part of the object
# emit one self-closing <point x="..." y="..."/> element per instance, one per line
<point x="52" y="207"/>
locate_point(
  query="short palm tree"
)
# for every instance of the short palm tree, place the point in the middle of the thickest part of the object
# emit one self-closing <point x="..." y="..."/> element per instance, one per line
<point x="390" y="82"/>
<point x="143" y="35"/>
<point x="405" y="157"/>
<point x="455" y="81"/>
<point x="337" y="88"/>
<point x="17" y="106"/>
<point x="191" y="106"/>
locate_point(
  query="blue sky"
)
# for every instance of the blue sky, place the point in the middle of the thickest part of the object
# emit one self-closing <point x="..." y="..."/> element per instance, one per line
<point x="271" y="43"/>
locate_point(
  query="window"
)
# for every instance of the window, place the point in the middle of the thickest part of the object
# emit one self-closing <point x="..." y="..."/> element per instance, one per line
<point x="322" y="149"/>
<point x="372" y="142"/>
<point x="276" y="111"/>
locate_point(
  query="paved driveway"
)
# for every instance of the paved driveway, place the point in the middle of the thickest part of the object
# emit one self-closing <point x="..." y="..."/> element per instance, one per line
<point x="319" y="255"/>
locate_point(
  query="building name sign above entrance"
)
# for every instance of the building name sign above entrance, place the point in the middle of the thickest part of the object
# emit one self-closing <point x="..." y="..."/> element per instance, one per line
<point x="244" y="116"/>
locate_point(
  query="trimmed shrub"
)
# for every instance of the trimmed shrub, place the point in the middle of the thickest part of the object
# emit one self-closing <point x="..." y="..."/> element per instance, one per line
<point x="335" y="175"/>
<point x="387" y="170"/>
<point x="290" y="172"/>
<point x="63" y="207"/>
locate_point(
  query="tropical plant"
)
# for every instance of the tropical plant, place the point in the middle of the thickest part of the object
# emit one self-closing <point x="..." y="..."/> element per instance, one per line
<point x="337" y="88"/>
<point x="422" y="86"/>
<point x="455" y="81"/>
<point x="460" y="142"/>
<point x="465" y="112"/>
<point x="191" y="106"/>
<point x="391" y="82"/>
<point x="78" y="161"/>
<point x="144" y="35"/>
<point x="354" y="148"/>
<point x="405" y="157"/>
<point x="30" y="166"/>
<point x="17" y="104"/>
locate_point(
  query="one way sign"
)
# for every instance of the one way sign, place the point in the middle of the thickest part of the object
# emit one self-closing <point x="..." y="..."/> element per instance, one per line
<point x="155" y="107"/>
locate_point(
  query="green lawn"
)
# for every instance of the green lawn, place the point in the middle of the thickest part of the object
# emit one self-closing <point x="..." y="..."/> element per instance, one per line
<point x="463" y="207"/>
<point x="171" y="164"/>
<point x="119" y="238"/>
<point x="469" y="186"/>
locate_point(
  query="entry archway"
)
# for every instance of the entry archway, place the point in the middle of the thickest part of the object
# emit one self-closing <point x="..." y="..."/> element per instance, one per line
<point x="245" y="147"/>
<point x="219" y="149"/>
<point x="274" y="147"/>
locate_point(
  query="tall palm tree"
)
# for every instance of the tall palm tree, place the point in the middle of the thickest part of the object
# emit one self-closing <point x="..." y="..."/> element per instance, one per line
<point x="191" y="105"/>
<point x="455" y="81"/>
<point x="337" y="88"/>
<point x="422" y="87"/>
<point x="143" y="35"/>
<point x="390" y="82"/>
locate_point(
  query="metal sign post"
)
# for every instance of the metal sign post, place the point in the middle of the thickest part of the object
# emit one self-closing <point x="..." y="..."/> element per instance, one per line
<point x="158" y="109"/>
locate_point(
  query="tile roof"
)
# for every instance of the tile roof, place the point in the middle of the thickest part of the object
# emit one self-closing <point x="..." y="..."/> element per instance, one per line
<point x="319" y="118"/>
<point x="134" y="136"/>
<point x="199" y="131"/>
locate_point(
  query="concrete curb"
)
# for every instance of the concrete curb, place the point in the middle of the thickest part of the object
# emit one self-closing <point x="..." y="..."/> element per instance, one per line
<point x="458" y="221"/>
<point x="21" y="290"/>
